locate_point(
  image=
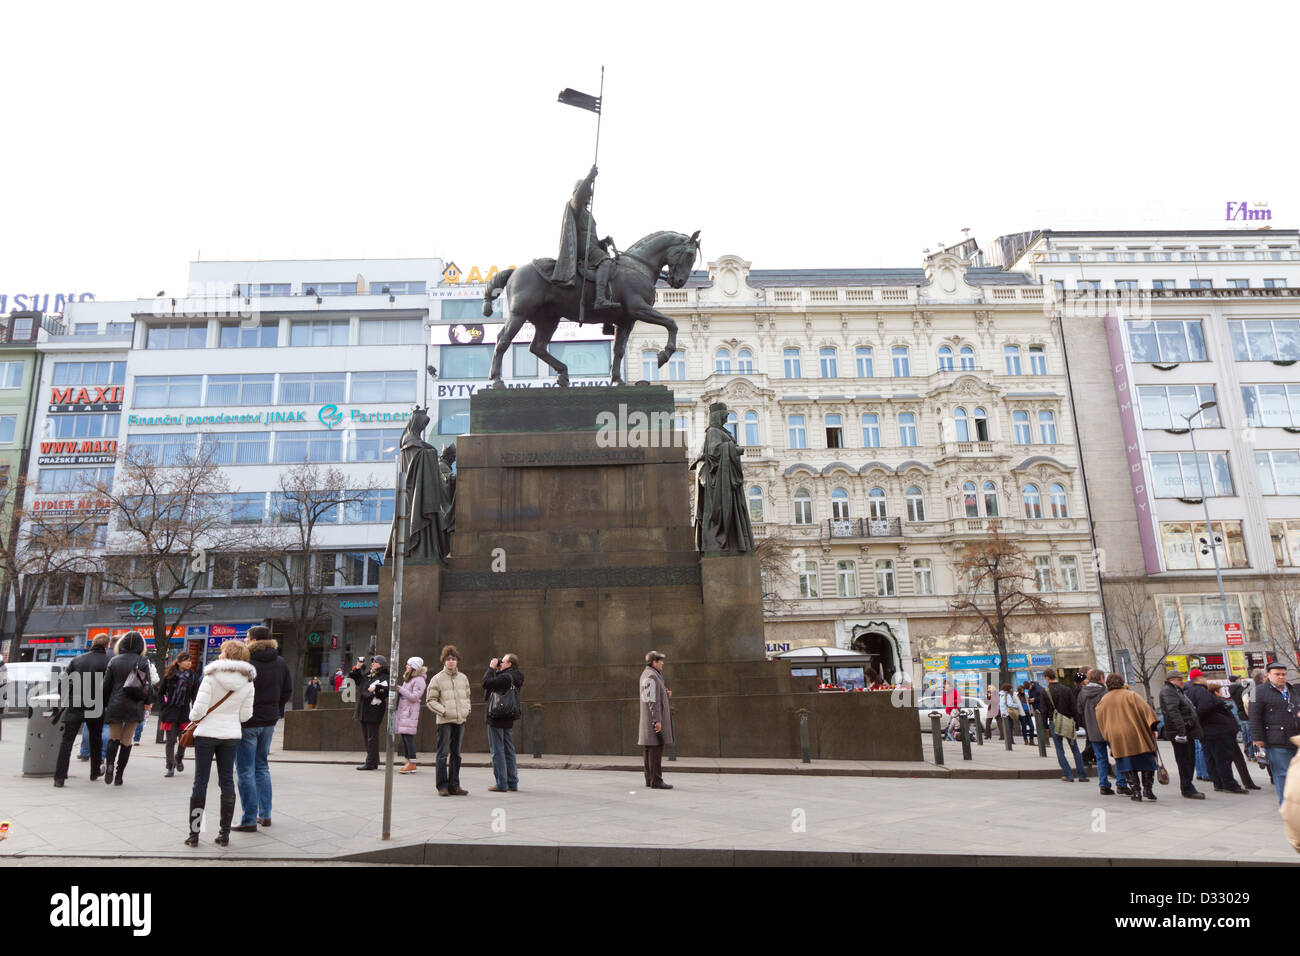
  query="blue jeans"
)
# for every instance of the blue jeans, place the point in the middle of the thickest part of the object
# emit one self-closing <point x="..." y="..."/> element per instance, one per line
<point x="1202" y="769"/>
<point x="1279" y="759"/>
<point x="1102" y="751"/>
<point x="254" y="774"/>
<point x="85" y="741"/>
<point x="139" y="729"/>
<point x="1060" y="757"/>
<point x="501" y="741"/>
<point x="1247" y="739"/>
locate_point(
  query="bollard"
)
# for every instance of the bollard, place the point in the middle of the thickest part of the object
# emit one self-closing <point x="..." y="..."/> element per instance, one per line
<point x="964" y="719"/>
<point x="1041" y="722"/>
<point x="1005" y="723"/>
<point x="537" y="731"/>
<point x="979" y="729"/>
<point x="937" y="736"/>
<point x="805" y="754"/>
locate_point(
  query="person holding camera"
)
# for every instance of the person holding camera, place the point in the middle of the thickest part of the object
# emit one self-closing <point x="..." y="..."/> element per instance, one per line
<point x="503" y="675"/>
<point x="372" y="707"/>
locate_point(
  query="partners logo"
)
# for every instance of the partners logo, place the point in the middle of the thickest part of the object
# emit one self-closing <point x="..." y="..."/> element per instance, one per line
<point x="329" y="415"/>
<point x="76" y="909"/>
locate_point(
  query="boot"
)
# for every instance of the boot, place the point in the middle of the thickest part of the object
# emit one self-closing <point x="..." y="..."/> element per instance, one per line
<point x="110" y="755"/>
<point x="227" y="814"/>
<point x="180" y="759"/>
<point x="122" y="758"/>
<point x="602" y="286"/>
<point x="1135" y="792"/>
<point x="1148" y="778"/>
<point x="1121" y="785"/>
<point x="195" y="821"/>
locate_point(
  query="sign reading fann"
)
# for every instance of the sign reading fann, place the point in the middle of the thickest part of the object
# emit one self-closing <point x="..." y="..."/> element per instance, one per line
<point x="92" y="451"/>
<point x="97" y="398"/>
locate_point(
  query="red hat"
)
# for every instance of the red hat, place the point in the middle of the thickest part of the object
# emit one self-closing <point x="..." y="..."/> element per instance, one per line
<point x="1194" y="673"/>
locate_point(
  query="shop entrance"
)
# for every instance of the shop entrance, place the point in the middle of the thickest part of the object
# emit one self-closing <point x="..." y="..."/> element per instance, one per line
<point x="880" y="647"/>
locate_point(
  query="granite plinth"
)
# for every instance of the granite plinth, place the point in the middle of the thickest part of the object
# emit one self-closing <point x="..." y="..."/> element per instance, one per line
<point x="565" y="409"/>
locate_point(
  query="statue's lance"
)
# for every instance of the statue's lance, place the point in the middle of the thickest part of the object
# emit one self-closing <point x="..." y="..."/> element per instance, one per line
<point x="585" y="101"/>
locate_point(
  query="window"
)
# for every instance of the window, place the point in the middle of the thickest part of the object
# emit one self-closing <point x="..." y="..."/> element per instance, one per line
<point x="1163" y="406"/>
<point x="722" y="362"/>
<point x="330" y="288"/>
<point x="524" y="363"/>
<point x="803" y="506"/>
<point x="870" y="430"/>
<point x="1043" y="573"/>
<point x="1169" y="341"/>
<point x="863" y="354"/>
<point x="1200" y="284"/>
<point x="239" y="448"/>
<point x="756" y="504"/>
<point x="649" y="365"/>
<point x="1161" y="284"/>
<point x="84" y="426"/>
<point x="11" y="374"/>
<point x="828" y="363"/>
<point x="840" y="504"/>
<point x="751" y="429"/>
<point x="1069" y="565"/>
<point x="981" y="425"/>
<point x="581" y="358"/>
<point x="374" y="506"/>
<point x="1087" y="285"/>
<point x="902" y="368"/>
<point x="907" y="429"/>
<point x="1058" y="285"/>
<point x="745" y="362"/>
<point x="915" y="504"/>
<point x="1126" y="285"/>
<point x="877" y="506"/>
<point x="1059" y="505"/>
<point x="1238" y="283"/>
<point x="463" y="361"/>
<point x="163" y="449"/>
<point x="1188" y="546"/>
<point x="318" y="446"/>
<point x="161" y="391"/>
<point x="1272" y="406"/>
<point x="792" y="364"/>
<point x="970" y="501"/>
<point x="1174" y="474"/>
<point x="247" y="508"/>
<point x="375" y="444"/>
<point x="385" y="386"/>
<point x="1047" y="428"/>
<point x="798" y="435"/>
<point x="677" y="367"/>
<point x="67" y="590"/>
<point x="1275" y="284"/>
<point x="945" y="359"/>
<point x="731" y="424"/>
<point x="236" y="389"/>
<point x="967" y="357"/>
<point x="231" y="572"/>
<point x="410" y="287"/>
<point x="1033" y="502"/>
<point x="834" y="431"/>
<point x="319" y="332"/>
<point x="86" y="328"/>
<point x="177" y="335"/>
<point x="312" y="388"/>
<point x="453" y="416"/>
<point x="21" y="329"/>
<point x="846" y="579"/>
<point x="885" y="579"/>
<point x="960" y="423"/>
<point x="1262" y="340"/>
<point x="922" y="577"/>
<point x="263" y="336"/>
<point x="8" y="427"/>
<point x="89" y="373"/>
<point x="391" y="332"/>
<point x="1285" y="535"/>
<point x="73" y="479"/>
<point x="1020" y="425"/>
<point x="808" y="580"/>
<point x="361" y="569"/>
<point x="1037" y="360"/>
<point x="271" y="288"/>
<point x="1279" y="472"/>
<point x="1011" y="356"/>
<point x="990" y="499"/>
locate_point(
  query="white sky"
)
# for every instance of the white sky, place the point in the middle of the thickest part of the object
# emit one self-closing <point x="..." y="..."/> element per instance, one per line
<point x="137" y="136"/>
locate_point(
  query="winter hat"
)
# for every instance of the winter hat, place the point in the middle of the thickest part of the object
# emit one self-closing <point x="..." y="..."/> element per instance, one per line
<point x="379" y="659"/>
<point x="415" y="662"/>
<point x="1194" y="673"/>
<point x="1277" y="665"/>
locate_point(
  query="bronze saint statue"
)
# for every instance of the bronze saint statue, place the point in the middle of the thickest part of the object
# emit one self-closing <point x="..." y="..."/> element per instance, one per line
<point x="721" y="511"/>
<point x="429" y="500"/>
<point x="578" y="244"/>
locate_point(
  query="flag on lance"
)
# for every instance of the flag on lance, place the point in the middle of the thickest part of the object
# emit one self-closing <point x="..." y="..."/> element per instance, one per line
<point x="583" y="101"/>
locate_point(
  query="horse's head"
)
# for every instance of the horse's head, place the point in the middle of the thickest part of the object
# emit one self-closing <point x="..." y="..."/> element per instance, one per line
<point x="681" y="259"/>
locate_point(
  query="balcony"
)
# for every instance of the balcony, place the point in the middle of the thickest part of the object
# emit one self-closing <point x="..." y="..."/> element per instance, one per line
<point x="865" y="527"/>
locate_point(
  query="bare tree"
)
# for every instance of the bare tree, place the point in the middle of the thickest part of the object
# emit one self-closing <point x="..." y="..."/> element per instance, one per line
<point x="1135" y="627"/>
<point x="997" y="586"/>
<point x="775" y="563"/>
<point x="1282" y="614"/>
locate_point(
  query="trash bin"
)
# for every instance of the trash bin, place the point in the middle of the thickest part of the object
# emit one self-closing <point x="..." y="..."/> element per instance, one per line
<point x="44" y="734"/>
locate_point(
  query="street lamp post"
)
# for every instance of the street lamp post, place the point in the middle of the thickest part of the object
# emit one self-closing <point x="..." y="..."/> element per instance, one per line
<point x="1200" y="481"/>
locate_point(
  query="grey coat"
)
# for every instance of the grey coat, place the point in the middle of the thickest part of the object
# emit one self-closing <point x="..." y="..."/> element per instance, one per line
<point x="1089" y="695"/>
<point x="653" y="694"/>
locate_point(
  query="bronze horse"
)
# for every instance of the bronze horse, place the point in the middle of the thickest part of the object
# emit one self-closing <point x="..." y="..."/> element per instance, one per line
<point x="534" y="298"/>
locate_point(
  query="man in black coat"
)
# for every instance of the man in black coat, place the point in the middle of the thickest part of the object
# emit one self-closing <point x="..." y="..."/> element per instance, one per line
<point x="501" y="675"/>
<point x="82" y="695"/>
<point x="1183" y="727"/>
<point x="1059" y="698"/>
<point x="372" y="706"/>
<point x="1220" y="728"/>
<point x="273" y="689"/>
<point x="1274" y="720"/>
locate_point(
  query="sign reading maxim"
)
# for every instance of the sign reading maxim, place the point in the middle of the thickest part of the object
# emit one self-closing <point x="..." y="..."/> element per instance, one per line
<point x="270" y="417"/>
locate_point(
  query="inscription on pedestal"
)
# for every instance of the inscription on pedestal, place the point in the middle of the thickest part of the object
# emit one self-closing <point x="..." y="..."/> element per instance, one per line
<point x="610" y="577"/>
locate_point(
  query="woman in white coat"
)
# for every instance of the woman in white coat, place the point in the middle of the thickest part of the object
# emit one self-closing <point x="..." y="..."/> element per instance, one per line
<point x="223" y="702"/>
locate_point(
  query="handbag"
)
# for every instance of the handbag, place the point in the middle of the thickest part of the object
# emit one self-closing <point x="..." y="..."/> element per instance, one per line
<point x="504" y="704"/>
<point x="137" y="685"/>
<point x="1162" y="775"/>
<point x="187" y="735"/>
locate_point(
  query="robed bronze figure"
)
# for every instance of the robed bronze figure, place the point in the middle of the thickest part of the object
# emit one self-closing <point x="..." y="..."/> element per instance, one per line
<point x="721" y="511"/>
<point x="428" y="496"/>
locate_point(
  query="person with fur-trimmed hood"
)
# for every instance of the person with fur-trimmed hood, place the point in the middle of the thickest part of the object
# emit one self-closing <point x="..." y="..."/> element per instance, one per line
<point x="274" y="688"/>
<point x="410" y="692"/>
<point x="224" y="701"/>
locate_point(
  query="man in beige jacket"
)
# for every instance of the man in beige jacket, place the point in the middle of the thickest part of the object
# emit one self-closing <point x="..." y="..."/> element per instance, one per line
<point x="448" y="697"/>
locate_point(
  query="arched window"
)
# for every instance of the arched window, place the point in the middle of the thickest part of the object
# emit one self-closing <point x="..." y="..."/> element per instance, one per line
<point x="839" y="503"/>
<point x="959" y="420"/>
<point x="798" y="433"/>
<point x="745" y="362"/>
<point x="803" y="506"/>
<point x="1037" y="360"/>
<point x="1060" y="507"/>
<point x="876" y="503"/>
<point x="902" y="365"/>
<point x="969" y="500"/>
<point x="885" y="578"/>
<point x="870" y="430"/>
<point x="792" y="369"/>
<point x="990" y="499"/>
<point x="677" y="367"/>
<point x="1047" y="428"/>
<point x="922" y="576"/>
<point x="1033" y="502"/>
<point x="650" y="365"/>
<point x="828" y="363"/>
<point x="945" y="359"/>
<point x="1011" y="355"/>
<point x="1020" y="425"/>
<point x="864" y="361"/>
<point x="915" y="504"/>
<point x="751" y="428"/>
<point x="967" y="357"/>
<point x="756" y="504"/>
<point x="907" y="429"/>
<point x="722" y="362"/>
<point x="981" y="425"/>
<point x="731" y="425"/>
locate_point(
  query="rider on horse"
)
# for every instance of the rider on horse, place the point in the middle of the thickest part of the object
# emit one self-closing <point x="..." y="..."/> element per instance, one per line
<point x="579" y="226"/>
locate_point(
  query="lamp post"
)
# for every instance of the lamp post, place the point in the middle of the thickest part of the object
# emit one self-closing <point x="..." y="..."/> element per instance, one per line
<point x="1209" y="528"/>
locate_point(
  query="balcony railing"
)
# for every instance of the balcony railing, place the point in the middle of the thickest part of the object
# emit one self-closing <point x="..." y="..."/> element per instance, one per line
<point x="865" y="527"/>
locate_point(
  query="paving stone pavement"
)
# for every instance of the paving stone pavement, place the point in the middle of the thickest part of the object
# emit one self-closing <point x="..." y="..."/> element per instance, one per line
<point x="326" y="811"/>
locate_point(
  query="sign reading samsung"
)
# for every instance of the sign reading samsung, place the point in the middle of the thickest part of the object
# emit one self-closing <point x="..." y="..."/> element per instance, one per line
<point x="40" y="301"/>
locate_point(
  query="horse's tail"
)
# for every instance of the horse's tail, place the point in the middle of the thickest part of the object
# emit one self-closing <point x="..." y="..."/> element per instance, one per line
<point x="494" y="289"/>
